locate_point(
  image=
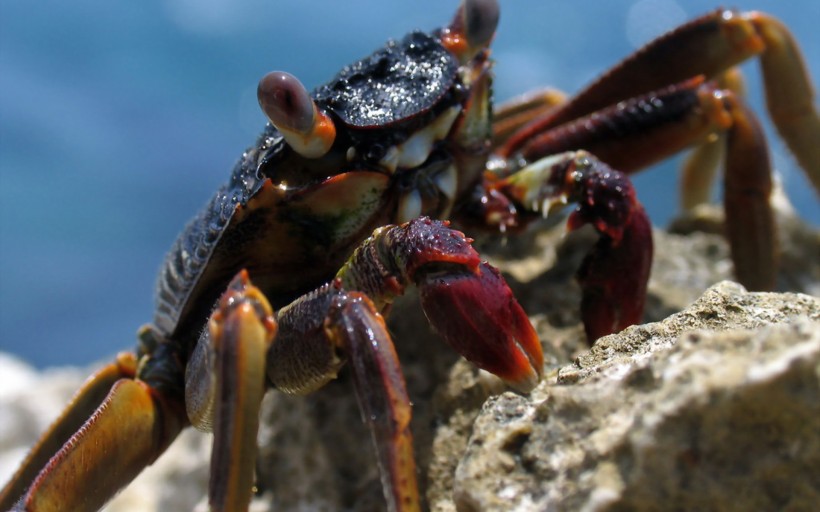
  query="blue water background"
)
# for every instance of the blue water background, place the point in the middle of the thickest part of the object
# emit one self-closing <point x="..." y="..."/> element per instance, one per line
<point x="119" y="119"/>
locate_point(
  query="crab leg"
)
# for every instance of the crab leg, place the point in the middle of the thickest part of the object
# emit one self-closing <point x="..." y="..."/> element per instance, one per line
<point x="731" y="38"/>
<point x="129" y="425"/>
<point x="514" y="114"/>
<point x="789" y="93"/>
<point x="318" y="333"/>
<point x="85" y="401"/>
<point x="747" y="184"/>
<point x="701" y="166"/>
<point x="643" y="130"/>
<point x="359" y="330"/>
<point x="614" y="274"/>
<point x="466" y="301"/>
<point x="225" y="383"/>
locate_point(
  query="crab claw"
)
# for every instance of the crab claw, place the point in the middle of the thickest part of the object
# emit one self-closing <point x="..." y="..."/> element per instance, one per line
<point x="477" y="314"/>
<point x="614" y="277"/>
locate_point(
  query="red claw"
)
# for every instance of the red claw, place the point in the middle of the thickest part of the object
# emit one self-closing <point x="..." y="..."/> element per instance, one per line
<point x="478" y="316"/>
<point x="614" y="276"/>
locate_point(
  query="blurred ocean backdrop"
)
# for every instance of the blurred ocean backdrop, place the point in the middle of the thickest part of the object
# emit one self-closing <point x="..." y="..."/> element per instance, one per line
<point x="118" y="120"/>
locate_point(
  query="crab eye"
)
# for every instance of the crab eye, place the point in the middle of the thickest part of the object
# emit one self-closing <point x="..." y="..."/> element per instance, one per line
<point x="285" y="101"/>
<point x="474" y="24"/>
<point x="480" y="18"/>
<point x="287" y="104"/>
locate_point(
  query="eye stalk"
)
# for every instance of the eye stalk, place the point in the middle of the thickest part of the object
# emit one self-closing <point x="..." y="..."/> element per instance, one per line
<point x="286" y="102"/>
<point x="472" y="28"/>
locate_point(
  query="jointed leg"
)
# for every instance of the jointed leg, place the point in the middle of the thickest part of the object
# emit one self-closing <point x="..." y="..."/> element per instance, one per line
<point x="225" y="383"/>
<point x="700" y="168"/>
<point x="318" y="333"/>
<point x="512" y="115"/>
<point x="360" y="333"/>
<point x="789" y="93"/>
<point x="84" y="403"/>
<point x="731" y="38"/>
<point x="643" y="130"/>
<point x="113" y="428"/>
<point x="747" y="184"/>
<point x="466" y="301"/>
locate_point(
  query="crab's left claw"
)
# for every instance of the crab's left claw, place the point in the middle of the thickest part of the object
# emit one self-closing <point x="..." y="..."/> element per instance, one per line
<point x="466" y="301"/>
<point x="477" y="314"/>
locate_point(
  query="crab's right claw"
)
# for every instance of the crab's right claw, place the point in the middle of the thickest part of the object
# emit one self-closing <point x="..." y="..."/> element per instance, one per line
<point x="477" y="314"/>
<point x="614" y="277"/>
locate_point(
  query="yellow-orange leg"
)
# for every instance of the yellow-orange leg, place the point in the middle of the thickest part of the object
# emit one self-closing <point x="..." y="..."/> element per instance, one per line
<point x="111" y="430"/>
<point x="225" y="383"/>
<point x="789" y="93"/>
<point x="699" y="171"/>
<point x="85" y="401"/>
<point x="701" y="166"/>
<point x="512" y="115"/>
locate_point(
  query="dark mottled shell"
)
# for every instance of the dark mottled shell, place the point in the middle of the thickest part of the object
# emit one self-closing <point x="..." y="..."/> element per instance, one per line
<point x="393" y="84"/>
<point x="193" y="249"/>
<point x="397" y="82"/>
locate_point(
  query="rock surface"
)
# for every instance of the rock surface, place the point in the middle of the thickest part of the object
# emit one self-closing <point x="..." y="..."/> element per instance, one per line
<point x="676" y="412"/>
<point x="715" y="407"/>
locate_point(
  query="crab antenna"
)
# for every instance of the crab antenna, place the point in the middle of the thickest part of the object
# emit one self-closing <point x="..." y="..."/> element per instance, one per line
<point x="473" y="27"/>
<point x="286" y="102"/>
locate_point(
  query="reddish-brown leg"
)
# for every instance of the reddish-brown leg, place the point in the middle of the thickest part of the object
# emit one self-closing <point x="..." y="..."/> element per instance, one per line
<point x="359" y="331"/>
<point x="639" y="131"/>
<point x="619" y="120"/>
<point x="731" y="38"/>
<point x="656" y="102"/>
<point x="466" y="301"/>
<point x="643" y="130"/>
<point x="318" y="333"/>
<point x="747" y="186"/>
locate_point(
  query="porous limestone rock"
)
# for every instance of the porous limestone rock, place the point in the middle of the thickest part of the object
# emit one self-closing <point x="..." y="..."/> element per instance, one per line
<point x="714" y="408"/>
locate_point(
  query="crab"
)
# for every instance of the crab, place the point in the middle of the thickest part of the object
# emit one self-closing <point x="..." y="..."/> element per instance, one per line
<point x="341" y="205"/>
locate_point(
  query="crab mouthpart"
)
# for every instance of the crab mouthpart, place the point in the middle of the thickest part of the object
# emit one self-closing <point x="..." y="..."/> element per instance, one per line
<point x="416" y="149"/>
<point x="433" y="195"/>
<point x="478" y="316"/>
<point x="413" y="155"/>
